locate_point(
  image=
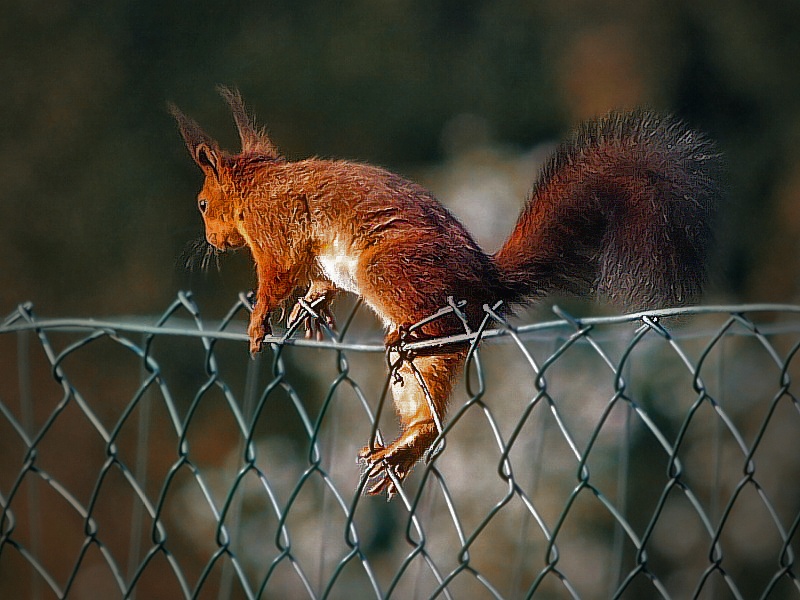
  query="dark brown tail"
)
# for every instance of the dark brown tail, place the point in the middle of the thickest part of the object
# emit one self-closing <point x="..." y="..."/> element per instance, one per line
<point x="623" y="209"/>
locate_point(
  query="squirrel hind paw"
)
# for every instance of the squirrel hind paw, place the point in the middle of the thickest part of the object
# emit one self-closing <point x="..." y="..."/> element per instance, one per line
<point x="382" y="471"/>
<point x="379" y="478"/>
<point x="378" y="482"/>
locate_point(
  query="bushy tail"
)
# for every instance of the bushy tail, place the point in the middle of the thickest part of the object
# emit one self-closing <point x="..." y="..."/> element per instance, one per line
<point x="624" y="210"/>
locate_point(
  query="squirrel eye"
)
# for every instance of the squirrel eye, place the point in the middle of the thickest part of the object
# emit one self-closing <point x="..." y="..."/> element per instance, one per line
<point x="202" y="205"/>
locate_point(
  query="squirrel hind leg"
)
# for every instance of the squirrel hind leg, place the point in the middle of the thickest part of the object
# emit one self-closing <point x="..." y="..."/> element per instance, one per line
<point x="421" y="409"/>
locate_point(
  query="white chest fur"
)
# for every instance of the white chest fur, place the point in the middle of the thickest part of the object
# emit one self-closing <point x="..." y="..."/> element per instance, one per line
<point x="338" y="262"/>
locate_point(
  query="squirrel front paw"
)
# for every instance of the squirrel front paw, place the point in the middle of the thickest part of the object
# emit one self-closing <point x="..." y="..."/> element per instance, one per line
<point x="258" y="329"/>
<point x="313" y="321"/>
<point x="312" y="324"/>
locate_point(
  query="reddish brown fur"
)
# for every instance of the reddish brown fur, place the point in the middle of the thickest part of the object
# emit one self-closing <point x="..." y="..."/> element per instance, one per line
<point x="325" y="225"/>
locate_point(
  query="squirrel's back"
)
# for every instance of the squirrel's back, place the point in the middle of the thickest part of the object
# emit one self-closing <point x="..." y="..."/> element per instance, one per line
<point x="623" y="209"/>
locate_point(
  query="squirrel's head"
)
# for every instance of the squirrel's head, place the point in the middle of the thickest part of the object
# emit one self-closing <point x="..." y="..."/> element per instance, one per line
<point x="219" y="199"/>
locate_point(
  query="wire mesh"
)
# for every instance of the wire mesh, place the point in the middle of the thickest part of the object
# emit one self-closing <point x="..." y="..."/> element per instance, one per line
<point x="653" y="455"/>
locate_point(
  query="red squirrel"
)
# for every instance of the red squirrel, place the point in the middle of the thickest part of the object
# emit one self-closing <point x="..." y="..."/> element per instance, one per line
<point x="623" y="209"/>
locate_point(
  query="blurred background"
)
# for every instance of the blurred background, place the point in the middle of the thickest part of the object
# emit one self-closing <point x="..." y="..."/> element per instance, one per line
<point x="97" y="205"/>
<point x="97" y="200"/>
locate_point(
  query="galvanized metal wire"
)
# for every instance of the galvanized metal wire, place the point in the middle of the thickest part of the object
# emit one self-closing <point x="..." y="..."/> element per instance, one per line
<point x="653" y="455"/>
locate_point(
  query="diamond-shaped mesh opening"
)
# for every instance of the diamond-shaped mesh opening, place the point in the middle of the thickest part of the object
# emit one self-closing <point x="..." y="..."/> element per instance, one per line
<point x="625" y="457"/>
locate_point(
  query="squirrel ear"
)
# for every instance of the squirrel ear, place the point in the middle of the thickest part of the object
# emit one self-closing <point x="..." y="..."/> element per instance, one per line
<point x="207" y="158"/>
<point x="203" y="149"/>
<point x="253" y="139"/>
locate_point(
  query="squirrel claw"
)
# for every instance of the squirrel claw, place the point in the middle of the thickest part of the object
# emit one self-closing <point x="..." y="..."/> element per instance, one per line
<point x="314" y="324"/>
<point x="381" y="482"/>
<point x="250" y="297"/>
<point x="255" y="347"/>
<point x="397" y="336"/>
<point x="381" y="472"/>
<point x="378" y="480"/>
<point x="257" y="332"/>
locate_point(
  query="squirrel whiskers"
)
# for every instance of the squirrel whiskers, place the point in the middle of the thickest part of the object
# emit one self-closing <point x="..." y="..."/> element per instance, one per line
<point x="198" y="255"/>
<point x="623" y="210"/>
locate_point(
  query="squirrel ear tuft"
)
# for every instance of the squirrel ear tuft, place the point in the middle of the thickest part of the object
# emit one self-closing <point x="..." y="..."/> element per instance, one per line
<point x="253" y="139"/>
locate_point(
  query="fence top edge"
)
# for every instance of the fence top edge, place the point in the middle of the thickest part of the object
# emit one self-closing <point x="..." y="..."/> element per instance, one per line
<point x="144" y="326"/>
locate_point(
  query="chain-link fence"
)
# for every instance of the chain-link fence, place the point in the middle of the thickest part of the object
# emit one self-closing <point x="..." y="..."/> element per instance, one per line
<point x="630" y="457"/>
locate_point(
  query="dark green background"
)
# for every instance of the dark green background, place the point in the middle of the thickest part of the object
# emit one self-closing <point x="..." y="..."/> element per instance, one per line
<point x="97" y="194"/>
